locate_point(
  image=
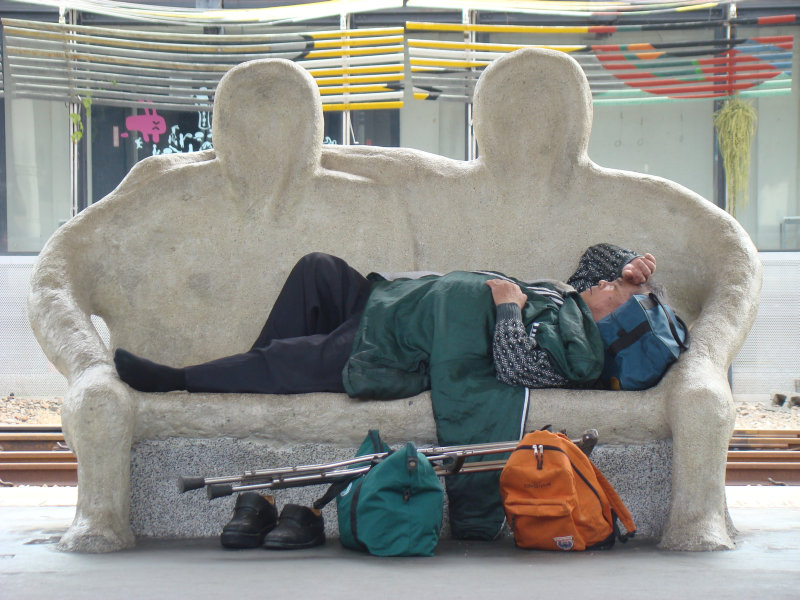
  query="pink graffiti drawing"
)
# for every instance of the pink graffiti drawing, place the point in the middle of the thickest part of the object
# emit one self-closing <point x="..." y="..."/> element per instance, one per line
<point x="151" y="124"/>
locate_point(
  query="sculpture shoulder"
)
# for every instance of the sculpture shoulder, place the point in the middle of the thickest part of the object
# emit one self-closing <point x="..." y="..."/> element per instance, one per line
<point x="377" y="163"/>
<point x="152" y="186"/>
<point x="155" y="167"/>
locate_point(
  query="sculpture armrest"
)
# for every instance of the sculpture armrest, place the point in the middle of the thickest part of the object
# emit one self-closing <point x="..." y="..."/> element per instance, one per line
<point x="719" y="287"/>
<point x="721" y="328"/>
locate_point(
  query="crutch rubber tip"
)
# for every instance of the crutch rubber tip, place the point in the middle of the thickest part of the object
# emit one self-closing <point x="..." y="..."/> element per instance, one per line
<point x="218" y="490"/>
<point x="190" y="483"/>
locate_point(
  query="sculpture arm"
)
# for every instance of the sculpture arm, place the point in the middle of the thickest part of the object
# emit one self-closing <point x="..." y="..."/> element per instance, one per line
<point x="58" y="309"/>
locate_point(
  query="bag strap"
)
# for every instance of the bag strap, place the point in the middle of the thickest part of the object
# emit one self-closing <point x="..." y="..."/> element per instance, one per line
<point x="375" y="438"/>
<point x="618" y="508"/>
<point x="334" y="490"/>
<point x="628" y="338"/>
<point x="684" y="344"/>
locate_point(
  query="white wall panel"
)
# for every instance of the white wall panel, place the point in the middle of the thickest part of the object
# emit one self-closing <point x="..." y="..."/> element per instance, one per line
<point x="770" y="357"/>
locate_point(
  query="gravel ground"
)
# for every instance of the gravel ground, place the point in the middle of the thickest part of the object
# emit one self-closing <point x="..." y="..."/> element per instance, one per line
<point x="30" y="410"/>
<point x="752" y="412"/>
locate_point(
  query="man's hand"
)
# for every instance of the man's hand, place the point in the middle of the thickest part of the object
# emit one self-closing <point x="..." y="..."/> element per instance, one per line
<point x="504" y="292"/>
<point x="639" y="270"/>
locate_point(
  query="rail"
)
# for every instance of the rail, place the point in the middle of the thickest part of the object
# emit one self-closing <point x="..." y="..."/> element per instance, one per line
<point x="38" y="455"/>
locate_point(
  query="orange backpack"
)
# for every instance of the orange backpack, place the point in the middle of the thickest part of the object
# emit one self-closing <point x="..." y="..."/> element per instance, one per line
<point x="556" y="499"/>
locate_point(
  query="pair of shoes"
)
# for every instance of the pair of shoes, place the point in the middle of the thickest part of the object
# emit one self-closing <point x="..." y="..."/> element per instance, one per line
<point x="298" y="527"/>
<point x="253" y="517"/>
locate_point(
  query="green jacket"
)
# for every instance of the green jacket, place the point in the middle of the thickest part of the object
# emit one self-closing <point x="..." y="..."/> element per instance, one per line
<point x="436" y="333"/>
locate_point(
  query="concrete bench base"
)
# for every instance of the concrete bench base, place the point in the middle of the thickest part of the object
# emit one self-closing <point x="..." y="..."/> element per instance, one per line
<point x="640" y="473"/>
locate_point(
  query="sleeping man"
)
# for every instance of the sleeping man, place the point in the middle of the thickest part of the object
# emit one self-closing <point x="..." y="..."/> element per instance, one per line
<point x="309" y="334"/>
<point x="478" y="340"/>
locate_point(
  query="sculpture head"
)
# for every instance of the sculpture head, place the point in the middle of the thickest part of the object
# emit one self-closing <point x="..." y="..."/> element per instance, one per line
<point x="533" y="109"/>
<point x="267" y="121"/>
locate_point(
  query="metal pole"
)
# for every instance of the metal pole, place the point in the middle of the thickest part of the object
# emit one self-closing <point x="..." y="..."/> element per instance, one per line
<point x="76" y="129"/>
<point x="345" y="22"/>
<point x="469" y="17"/>
<point x="82" y="147"/>
<point x="726" y="32"/>
<point x="721" y="186"/>
<point x="8" y="84"/>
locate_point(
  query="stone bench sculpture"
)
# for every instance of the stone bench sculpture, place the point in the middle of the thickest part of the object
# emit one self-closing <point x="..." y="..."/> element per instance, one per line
<point x="183" y="260"/>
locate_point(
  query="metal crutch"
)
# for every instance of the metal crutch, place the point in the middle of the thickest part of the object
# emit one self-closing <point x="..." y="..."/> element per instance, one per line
<point x="298" y="476"/>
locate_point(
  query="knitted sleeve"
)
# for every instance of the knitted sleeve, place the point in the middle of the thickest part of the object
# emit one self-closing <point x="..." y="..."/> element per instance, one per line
<point x="517" y="358"/>
<point x="602" y="261"/>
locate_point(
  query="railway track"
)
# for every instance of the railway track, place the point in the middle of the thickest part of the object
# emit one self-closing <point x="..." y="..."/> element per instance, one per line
<point x="764" y="456"/>
<point x="38" y="455"/>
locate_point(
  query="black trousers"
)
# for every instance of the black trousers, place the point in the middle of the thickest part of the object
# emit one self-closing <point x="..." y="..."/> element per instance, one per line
<point x="306" y="340"/>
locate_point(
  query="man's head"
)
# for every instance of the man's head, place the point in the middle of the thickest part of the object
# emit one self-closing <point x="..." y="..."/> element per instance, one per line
<point x="607" y="296"/>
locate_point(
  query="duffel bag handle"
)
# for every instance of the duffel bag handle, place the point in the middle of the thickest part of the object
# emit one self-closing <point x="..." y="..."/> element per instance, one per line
<point x="335" y="489"/>
<point x="412" y="459"/>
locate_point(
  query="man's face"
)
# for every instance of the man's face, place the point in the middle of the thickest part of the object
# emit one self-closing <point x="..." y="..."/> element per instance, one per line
<point x="607" y="296"/>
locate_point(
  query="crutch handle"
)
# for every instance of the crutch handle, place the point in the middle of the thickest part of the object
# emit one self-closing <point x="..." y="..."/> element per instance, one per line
<point x="218" y="490"/>
<point x="190" y="483"/>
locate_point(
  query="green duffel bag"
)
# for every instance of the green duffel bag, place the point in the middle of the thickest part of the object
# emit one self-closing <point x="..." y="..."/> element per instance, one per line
<point x="395" y="509"/>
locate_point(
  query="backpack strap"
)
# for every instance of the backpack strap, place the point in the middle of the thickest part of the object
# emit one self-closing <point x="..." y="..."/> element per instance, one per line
<point x="618" y="508"/>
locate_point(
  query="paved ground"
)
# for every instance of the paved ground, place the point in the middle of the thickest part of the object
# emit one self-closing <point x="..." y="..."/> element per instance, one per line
<point x="765" y="565"/>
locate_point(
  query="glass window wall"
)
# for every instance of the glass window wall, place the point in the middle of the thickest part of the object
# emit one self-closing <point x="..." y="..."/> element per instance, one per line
<point x="772" y="214"/>
<point x="38" y="198"/>
<point x="672" y="139"/>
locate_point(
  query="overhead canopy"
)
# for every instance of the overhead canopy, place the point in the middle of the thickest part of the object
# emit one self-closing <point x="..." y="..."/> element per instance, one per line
<point x="303" y="11"/>
<point x="271" y="15"/>
<point x="699" y="67"/>
<point x="573" y="8"/>
<point x="358" y="69"/>
<point x="364" y="68"/>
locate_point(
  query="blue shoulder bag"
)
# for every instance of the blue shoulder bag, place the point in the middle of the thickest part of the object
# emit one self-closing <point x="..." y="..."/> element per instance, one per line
<point x="642" y="338"/>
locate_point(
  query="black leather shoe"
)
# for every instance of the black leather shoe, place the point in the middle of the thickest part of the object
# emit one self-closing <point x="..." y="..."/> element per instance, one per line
<point x="298" y="527"/>
<point x="253" y="517"/>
